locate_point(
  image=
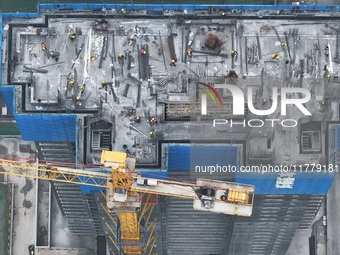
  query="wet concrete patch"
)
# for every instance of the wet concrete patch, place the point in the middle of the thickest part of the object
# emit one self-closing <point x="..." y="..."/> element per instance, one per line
<point x="28" y="186"/>
<point x="27" y="204"/>
<point x="3" y="150"/>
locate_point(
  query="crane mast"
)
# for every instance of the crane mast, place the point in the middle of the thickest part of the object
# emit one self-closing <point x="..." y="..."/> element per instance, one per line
<point x="124" y="187"/>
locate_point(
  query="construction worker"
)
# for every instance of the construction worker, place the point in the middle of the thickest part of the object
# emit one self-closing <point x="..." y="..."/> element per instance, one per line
<point x="153" y="121"/>
<point x="223" y="14"/>
<point x="189" y="51"/>
<point x="322" y="102"/>
<point x="103" y="84"/>
<point x="121" y="58"/>
<point x="43" y="46"/>
<point x="123" y="10"/>
<point x="54" y="54"/>
<point x="143" y="52"/>
<point x="152" y="134"/>
<point x="82" y="88"/>
<point x="283" y="44"/>
<point x="325" y="67"/>
<point x="173" y="62"/>
<point x="232" y="74"/>
<point x="71" y="83"/>
<point x="137" y="119"/>
<point x="326" y="50"/>
<point x="77" y="98"/>
<point x="275" y="56"/>
<point x="130" y="43"/>
<point x="264" y="101"/>
<point x="72" y="36"/>
<point x="234" y="53"/>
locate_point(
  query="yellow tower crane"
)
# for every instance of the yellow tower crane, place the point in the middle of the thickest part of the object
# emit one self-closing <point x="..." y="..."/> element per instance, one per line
<point x="124" y="187"/>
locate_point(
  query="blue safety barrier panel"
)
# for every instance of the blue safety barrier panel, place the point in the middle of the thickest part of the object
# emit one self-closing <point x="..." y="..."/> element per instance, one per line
<point x="154" y="174"/>
<point x="188" y="157"/>
<point x="8" y="93"/>
<point x="304" y="183"/>
<point x="55" y="127"/>
<point x="158" y="7"/>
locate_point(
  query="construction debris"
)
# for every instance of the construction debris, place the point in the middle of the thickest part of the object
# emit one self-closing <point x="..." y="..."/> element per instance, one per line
<point x="253" y="54"/>
<point x="101" y="25"/>
<point x="212" y="42"/>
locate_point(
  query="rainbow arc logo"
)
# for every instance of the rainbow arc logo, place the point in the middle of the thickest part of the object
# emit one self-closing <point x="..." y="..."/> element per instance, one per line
<point x="213" y="90"/>
<point x="204" y="97"/>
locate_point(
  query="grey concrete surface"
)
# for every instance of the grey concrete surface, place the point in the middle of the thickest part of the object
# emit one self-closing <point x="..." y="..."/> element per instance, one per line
<point x="24" y="225"/>
<point x="57" y="251"/>
<point x="24" y="202"/>
<point x="300" y="242"/>
<point x="61" y="235"/>
<point x="333" y="217"/>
